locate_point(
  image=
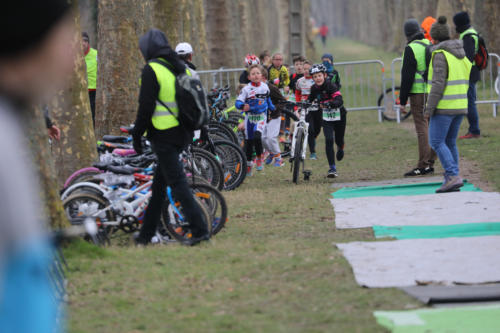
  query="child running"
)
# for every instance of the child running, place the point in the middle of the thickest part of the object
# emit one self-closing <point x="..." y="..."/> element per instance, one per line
<point x="333" y="114"/>
<point x="298" y="65"/>
<point x="271" y="132"/>
<point x="278" y="71"/>
<point x="254" y="100"/>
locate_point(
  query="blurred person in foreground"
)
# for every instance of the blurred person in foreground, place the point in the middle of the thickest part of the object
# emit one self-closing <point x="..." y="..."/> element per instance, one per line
<point x="36" y="58"/>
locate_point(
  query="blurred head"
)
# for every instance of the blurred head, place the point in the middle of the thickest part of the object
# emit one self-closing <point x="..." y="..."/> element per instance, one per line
<point x="319" y="78"/>
<point x="307" y="68"/>
<point x="327" y="57"/>
<point x="277" y="60"/>
<point x="85" y="42"/>
<point x="35" y="69"/>
<point x="298" y="65"/>
<point x="462" y="21"/>
<point x="411" y="28"/>
<point x="265" y="58"/>
<point x="440" y="31"/>
<point x="264" y="72"/>
<point x="255" y="74"/>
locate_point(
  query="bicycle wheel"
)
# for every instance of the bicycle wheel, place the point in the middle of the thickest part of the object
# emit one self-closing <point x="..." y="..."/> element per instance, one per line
<point x="222" y="130"/>
<point x="176" y="225"/>
<point x="234" y="163"/>
<point x="390" y="111"/>
<point x="215" y="202"/>
<point x="81" y="175"/>
<point x="297" y="158"/>
<point x="205" y="164"/>
<point x="81" y="205"/>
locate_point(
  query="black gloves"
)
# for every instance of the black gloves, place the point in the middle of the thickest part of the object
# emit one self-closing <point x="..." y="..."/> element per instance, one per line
<point x="137" y="142"/>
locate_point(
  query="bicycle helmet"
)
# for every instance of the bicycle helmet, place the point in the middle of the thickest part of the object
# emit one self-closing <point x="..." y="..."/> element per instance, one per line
<point x="251" y="59"/>
<point x="317" y="68"/>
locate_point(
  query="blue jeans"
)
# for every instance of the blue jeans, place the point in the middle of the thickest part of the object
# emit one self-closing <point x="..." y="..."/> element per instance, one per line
<point x="472" y="114"/>
<point x="443" y="132"/>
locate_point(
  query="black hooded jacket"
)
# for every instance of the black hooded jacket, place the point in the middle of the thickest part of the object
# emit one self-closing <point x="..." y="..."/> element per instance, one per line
<point x="408" y="70"/>
<point x="470" y="52"/>
<point x="153" y="45"/>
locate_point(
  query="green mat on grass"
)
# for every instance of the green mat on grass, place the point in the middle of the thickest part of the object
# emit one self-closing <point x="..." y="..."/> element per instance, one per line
<point x="394" y="190"/>
<point x="438" y="231"/>
<point x="460" y="319"/>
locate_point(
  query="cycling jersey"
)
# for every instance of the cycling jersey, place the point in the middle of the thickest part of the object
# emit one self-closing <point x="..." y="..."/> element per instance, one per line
<point x="303" y="88"/>
<point x="281" y="74"/>
<point x="257" y="96"/>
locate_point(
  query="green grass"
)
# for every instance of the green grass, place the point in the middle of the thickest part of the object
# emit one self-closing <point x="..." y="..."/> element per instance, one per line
<point x="274" y="268"/>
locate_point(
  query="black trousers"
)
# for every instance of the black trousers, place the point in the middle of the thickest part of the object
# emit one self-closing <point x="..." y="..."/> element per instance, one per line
<point x="331" y="130"/>
<point x="315" y="120"/>
<point x="254" y="144"/>
<point x="92" y="104"/>
<point x="169" y="172"/>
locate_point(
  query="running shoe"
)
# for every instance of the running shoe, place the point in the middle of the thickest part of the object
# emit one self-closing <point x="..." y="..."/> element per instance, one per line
<point x="269" y="159"/>
<point x="279" y="162"/>
<point x="313" y="156"/>
<point x="332" y="173"/>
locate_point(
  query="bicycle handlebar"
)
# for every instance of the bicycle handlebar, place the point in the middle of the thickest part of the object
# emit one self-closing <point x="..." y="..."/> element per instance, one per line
<point x="290" y="114"/>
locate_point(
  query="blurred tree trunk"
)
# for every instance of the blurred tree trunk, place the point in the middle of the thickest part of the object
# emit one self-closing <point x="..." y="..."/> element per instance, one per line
<point x="218" y="33"/>
<point x="120" y="24"/>
<point x="70" y="111"/>
<point x="44" y="165"/>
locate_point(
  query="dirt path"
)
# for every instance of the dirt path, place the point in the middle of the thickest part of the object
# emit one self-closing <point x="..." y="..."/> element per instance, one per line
<point x="469" y="170"/>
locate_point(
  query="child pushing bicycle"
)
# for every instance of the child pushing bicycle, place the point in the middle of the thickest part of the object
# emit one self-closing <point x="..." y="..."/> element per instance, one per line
<point x="254" y="100"/>
<point x="333" y="113"/>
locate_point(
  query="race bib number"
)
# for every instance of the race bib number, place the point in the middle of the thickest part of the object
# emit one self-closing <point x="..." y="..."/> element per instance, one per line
<point x="256" y="118"/>
<point x="331" y="114"/>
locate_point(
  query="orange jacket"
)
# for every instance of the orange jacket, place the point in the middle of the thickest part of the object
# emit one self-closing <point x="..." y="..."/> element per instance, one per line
<point x="426" y="25"/>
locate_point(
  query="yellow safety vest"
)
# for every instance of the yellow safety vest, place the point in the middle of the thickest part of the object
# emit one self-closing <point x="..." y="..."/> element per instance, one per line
<point x="163" y="118"/>
<point x="457" y="82"/>
<point x="91" y="61"/>
<point x="474" y="36"/>
<point x="418" y="47"/>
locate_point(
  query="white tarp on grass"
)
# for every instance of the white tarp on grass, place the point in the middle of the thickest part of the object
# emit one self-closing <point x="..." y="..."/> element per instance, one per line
<point x="411" y="262"/>
<point x="428" y="209"/>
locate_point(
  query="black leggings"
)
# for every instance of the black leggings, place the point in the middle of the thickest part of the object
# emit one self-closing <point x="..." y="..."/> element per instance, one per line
<point x="255" y="143"/>
<point x="331" y="129"/>
<point x="315" y="120"/>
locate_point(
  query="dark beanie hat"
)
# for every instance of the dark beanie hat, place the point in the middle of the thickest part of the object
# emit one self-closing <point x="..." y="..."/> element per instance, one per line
<point x="85" y="36"/>
<point x="411" y="28"/>
<point x="25" y="23"/>
<point x="461" y="19"/>
<point x="440" y="31"/>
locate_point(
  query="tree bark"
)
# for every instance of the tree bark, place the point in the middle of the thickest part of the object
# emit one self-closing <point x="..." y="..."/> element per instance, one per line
<point x="120" y="24"/>
<point x="70" y="110"/>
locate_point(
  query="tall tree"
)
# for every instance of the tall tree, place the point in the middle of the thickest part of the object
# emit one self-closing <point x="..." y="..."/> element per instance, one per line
<point x="70" y="110"/>
<point x="120" y="24"/>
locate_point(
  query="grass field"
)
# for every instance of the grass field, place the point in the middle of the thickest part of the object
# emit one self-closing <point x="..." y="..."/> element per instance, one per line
<point x="275" y="267"/>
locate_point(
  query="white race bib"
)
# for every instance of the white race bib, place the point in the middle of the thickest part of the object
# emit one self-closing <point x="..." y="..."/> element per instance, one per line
<point x="331" y="114"/>
<point x="256" y="118"/>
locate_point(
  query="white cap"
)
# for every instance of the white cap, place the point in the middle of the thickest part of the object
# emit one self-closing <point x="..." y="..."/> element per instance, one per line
<point x="183" y="48"/>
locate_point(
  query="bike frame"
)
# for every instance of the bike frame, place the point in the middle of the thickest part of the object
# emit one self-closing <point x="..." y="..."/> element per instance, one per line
<point x="301" y="124"/>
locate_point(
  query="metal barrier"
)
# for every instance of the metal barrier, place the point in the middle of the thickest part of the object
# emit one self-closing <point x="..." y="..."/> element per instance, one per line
<point x="487" y="88"/>
<point x="362" y="83"/>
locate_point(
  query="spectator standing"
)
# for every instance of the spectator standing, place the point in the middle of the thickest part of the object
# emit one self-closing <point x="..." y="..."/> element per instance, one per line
<point x="91" y="62"/>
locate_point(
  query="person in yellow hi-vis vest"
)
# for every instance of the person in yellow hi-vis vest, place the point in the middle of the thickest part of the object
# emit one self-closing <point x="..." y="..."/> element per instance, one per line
<point x="448" y="83"/>
<point x="413" y="77"/>
<point x="91" y="62"/>
<point x="167" y="136"/>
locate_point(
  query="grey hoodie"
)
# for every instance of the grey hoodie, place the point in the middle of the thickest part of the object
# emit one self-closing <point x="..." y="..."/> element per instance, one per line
<point x="440" y="74"/>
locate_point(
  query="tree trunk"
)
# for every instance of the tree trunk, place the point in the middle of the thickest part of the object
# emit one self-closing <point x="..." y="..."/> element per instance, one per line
<point x="44" y="165"/>
<point x="120" y="24"/>
<point x="70" y="110"/>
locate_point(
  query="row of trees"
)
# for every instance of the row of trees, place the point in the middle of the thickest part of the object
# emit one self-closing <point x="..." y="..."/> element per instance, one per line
<point x="380" y="22"/>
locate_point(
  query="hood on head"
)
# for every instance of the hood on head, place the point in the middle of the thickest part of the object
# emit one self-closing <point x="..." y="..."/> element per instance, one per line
<point x="454" y="46"/>
<point x="154" y="44"/>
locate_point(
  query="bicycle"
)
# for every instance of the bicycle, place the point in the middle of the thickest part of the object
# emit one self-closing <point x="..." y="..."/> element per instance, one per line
<point x="391" y="104"/>
<point x="299" y="139"/>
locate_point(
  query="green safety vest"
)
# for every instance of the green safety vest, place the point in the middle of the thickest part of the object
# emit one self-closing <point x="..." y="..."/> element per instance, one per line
<point x="91" y="61"/>
<point x="418" y="47"/>
<point x="457" y="83"/>
<point x="474" y="36"/>
<point x="163" y="118"/>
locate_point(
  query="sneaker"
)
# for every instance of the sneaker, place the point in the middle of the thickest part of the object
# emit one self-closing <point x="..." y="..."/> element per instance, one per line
<point x="332" y="173"/>
<point x="279" y="162"/>
<point x="196" y="240"/>
<point x="269" y="159"/>
<point x="313" y="156"/>
<point x="415" y="172"/>
<point x="340" y="154"/>
<point x="451" y="184"/>
<point x="470" y="136"/>
<point x="259" y="167"/>
<point x="249" y="170"/>
<point x="427" y="170"/>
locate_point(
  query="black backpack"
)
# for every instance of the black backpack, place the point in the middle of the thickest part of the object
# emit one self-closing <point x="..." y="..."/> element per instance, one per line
<point x="191" y="100"/>
<point x="482" y="55"/>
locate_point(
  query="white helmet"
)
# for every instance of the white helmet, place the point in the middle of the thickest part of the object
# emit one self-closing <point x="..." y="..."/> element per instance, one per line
<point x="183" y="48"/>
